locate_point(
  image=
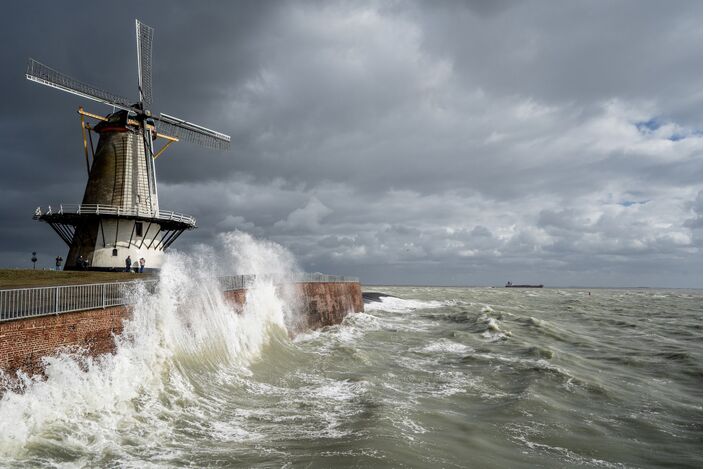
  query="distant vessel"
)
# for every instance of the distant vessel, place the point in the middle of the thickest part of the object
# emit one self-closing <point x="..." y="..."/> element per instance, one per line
<point x="511" y="285"/>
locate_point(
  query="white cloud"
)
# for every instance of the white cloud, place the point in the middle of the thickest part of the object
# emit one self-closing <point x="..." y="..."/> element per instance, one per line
<point x="307" y="218"/>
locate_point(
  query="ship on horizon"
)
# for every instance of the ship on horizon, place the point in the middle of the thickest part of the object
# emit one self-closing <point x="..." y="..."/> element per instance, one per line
<point x="511" y="285"/>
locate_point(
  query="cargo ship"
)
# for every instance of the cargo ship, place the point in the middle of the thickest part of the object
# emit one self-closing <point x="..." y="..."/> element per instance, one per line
<point x="511" y="285"/>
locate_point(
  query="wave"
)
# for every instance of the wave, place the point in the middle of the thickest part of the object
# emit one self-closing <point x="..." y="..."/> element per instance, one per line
<point x="399" y="305"/>
<point x="493" y="331"/>
<point x="445" y="346"/>
<point x="180" y="337"/>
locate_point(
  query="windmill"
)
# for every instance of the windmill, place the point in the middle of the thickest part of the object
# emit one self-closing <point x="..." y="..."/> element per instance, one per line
<point x="119" y="215"/>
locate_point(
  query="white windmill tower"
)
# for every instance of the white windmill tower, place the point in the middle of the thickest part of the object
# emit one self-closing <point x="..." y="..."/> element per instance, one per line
<point x="119" y="215"/>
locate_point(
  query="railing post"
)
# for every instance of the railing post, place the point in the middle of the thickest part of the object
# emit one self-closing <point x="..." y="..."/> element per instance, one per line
<point x="103" y="296"/>
<point x="56" y="299"/>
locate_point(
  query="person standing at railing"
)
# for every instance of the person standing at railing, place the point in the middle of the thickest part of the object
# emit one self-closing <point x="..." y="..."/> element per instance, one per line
<point x="128" y="263"/>
<point x="141" y="265"/>
<point x="59" y="261"/>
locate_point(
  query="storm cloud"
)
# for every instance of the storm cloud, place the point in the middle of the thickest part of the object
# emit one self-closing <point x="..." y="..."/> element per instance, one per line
<point x="464" y="143"/>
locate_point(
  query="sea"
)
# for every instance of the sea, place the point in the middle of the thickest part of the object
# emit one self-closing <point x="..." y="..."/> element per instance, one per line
<point x="427" y="377"/>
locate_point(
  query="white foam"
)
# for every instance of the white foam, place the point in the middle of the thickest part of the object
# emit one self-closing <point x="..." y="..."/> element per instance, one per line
<point x="335" y="390"/>
<point x="413" y="426"/>
<point x="493" y="331"/>
<point x="230" y="431"/>
<point x="447" y="346"/>
<point x="363" y="321"/>
<point x="400" y="305"/>
<point x="568" y="456"/>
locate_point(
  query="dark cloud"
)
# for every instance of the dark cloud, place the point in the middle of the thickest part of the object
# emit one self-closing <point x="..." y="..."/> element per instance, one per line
<point x="444" y="142"/>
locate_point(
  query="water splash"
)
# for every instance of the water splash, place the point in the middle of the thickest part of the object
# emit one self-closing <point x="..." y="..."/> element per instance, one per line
<point x="182" y="335"/>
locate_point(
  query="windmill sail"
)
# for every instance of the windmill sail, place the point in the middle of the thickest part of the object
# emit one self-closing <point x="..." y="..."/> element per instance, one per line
<point x="45" y="75"/>
<point x="145" y="39"/>
<point x="191" y="132"/>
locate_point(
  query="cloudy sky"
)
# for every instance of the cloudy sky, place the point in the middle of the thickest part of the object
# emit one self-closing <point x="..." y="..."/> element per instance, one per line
<point x="456" y="143"/>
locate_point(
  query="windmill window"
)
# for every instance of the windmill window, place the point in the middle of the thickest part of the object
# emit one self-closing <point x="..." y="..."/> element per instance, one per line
<point x="138" y="229"/>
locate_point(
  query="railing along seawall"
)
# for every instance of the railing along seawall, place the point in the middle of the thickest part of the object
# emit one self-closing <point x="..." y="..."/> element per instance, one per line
<point x="20" y="303"/>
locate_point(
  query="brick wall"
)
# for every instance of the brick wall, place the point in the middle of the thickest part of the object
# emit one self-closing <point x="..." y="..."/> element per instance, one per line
<point x="23" y="342"/>
<point x="329" y="303"/>
<point x="322" y="304"/>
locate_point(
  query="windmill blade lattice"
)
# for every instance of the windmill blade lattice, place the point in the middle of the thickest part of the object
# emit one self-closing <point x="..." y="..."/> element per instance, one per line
<point x="45" y="75"/>
<point x="145" y="39"/>
<point x="193" y="133"/>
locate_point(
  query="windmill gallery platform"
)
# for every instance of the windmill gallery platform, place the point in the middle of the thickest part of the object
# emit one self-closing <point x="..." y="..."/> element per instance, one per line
<point x="40" y="321"/>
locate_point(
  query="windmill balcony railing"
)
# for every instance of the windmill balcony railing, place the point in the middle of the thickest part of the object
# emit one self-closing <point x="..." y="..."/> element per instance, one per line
<point x="21" y="303"/>
<point x="100" y="209"/>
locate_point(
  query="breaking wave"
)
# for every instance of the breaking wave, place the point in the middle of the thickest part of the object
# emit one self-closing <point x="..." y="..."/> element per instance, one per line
<point x="179" y="338"/>
<point x="400" y="305"/>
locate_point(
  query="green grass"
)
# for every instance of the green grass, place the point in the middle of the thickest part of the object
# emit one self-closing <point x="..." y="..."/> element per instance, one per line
<point x="21" y="278"/>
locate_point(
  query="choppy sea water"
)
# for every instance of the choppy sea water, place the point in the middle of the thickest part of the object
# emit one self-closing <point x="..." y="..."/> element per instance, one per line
<point x="432" y="377"/>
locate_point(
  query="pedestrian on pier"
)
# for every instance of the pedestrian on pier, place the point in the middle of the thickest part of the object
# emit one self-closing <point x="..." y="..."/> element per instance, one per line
<point x="128" y="264"/>
<point x="141" y="265"/>
<point x="59" y="261"/>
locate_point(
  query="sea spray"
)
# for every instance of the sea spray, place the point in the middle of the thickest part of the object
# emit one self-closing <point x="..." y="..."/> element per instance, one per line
<point x="268" y="262"/>
<point x="178" y="337"/>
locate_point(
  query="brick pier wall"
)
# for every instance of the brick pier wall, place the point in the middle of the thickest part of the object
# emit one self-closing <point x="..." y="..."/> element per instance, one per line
<point x="23" y="342"/>
<point x="328" y="303"/>
<point x="322" y="304"/>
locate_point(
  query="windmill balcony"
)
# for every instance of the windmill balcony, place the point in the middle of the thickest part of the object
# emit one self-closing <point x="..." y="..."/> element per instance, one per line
<point x="103" y="237"/>
<point x="70" y="210"/>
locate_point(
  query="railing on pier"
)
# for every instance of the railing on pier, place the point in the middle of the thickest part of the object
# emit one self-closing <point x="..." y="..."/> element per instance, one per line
<point x="42" y="301"/>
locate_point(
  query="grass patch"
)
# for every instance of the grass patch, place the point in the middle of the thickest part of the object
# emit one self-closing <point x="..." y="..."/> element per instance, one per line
<point x="22" y="278"/>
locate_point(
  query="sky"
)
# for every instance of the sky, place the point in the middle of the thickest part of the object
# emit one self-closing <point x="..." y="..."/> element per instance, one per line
<point x="403" y="142"/>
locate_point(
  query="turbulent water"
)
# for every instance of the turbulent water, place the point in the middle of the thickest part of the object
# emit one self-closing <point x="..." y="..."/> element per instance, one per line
<point x="436" y="377"/>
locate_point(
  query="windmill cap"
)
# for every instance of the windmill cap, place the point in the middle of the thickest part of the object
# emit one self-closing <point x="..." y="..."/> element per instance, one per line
<point x="116" y="122"/>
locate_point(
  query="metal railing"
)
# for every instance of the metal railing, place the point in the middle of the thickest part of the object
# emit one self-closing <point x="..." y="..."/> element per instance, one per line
<point x="238" y="282"/>
<point x="99" y="209"/>
<point x="42" y="301"/>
